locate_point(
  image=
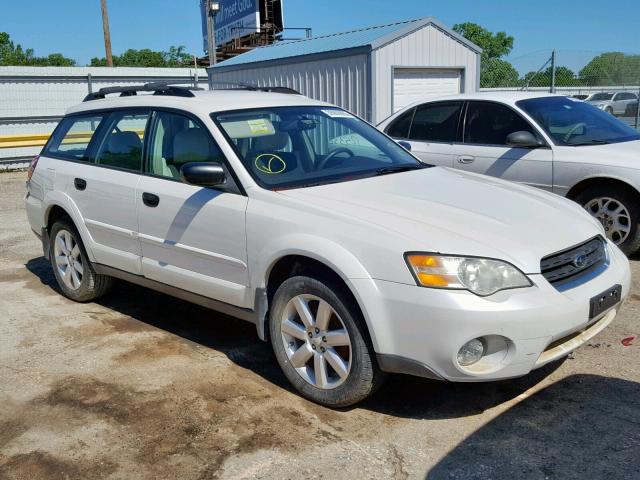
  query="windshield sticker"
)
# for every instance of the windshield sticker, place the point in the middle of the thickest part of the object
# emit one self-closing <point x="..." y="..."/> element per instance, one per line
<point x="259" y="126"/>
<point x="337" y="114"/>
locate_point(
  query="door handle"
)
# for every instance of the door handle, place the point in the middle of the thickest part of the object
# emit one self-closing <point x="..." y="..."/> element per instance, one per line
<point x="466" y="159"/>
<point x="150" y="200"/>
<point x="80" y="183"/>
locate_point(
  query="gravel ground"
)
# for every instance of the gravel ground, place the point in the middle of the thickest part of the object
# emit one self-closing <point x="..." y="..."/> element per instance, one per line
<point x="143" y="386"/>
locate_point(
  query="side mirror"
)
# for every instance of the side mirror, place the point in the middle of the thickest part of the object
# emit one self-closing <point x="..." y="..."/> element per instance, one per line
<point x="405" y="145"/>
<point x="202" y="174"/>
<point x="523" y="139"/>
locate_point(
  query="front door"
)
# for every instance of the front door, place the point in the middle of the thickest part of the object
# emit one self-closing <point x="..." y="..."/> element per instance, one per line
<point x="484" y="149"/>
<point x="192" y="237"/>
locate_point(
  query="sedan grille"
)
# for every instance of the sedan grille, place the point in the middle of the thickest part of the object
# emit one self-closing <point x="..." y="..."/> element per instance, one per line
<point x="572" y="263"/>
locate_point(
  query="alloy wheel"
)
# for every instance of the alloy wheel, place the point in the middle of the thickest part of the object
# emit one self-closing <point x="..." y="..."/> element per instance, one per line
<point x="316" y="341"/>
<point x="614" y="217"/>
<point x="68" y="259"/>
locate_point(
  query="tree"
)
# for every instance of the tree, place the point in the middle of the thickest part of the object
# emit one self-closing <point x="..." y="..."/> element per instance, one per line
<point x="564" y="78"/>
<point x="494" y="45"/>
<point x="14" y="54"/>
<point x="494" y="72"/>
<point x="175" y="57"/>
<point x="611" y="68"/>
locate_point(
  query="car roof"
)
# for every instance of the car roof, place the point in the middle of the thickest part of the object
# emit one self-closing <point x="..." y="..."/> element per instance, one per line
<point x="202" y="101"/>
<point x="509" y="97"/>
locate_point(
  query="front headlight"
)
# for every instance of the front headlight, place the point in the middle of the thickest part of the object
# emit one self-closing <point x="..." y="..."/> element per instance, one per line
<point x="482" y="276"/>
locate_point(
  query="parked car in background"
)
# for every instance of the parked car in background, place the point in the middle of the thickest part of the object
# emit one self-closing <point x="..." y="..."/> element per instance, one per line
<point x="614" y="103"/>
<point x="556" y="143"/>
<point x="351" y="263"/>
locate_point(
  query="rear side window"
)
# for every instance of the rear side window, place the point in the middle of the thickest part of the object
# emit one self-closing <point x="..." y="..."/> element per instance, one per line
<point x="436" y="122"/>
<point x="121" y="145"/>
<point x="399" y="128"/>
<point x="72" y="137"/>
<point x="489" y="123"/>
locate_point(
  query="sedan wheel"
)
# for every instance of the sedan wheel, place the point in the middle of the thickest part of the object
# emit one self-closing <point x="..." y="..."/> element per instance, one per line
<point x="613" y="215"/>
<point x="68" y="259"/>
<point x="316" y="341"/>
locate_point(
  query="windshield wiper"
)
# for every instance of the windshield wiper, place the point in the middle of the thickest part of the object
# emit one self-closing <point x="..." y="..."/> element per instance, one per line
<point x="590" y="142"/>
<point x="400" y="168"/>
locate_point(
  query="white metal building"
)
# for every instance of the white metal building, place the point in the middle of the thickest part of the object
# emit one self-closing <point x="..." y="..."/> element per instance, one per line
<point x="371" y="71"/>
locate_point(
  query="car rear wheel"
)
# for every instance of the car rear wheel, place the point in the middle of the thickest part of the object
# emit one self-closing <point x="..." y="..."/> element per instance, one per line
<point x="73" y="271"/>
<point x="618" y="211"/>
<point x="321" y="342"/>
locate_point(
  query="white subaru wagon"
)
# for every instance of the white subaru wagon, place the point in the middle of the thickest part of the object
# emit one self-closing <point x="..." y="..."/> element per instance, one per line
<point x="352" y="257"/>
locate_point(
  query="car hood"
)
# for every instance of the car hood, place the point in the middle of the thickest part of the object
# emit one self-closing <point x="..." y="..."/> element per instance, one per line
<point x="447" y="211"/>
<point x="622" y="154"/>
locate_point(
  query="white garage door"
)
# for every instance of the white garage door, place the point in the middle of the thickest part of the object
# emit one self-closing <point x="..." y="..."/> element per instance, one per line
<point x="414" y="84"/>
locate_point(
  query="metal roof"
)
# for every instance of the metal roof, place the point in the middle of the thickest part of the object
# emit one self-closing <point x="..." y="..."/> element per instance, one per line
<point x="369" y="38"/>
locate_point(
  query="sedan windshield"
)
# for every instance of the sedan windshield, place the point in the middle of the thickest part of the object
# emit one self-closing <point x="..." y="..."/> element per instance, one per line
<point x="288" y="147"/>
<point x="575" y="123"/>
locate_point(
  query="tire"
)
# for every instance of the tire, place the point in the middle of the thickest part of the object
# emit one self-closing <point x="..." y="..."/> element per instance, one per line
<point x="82" y="284"/>
<point x="362" y="377"/>
<point x="609" y="110"/>
<point x="602" y="201"/>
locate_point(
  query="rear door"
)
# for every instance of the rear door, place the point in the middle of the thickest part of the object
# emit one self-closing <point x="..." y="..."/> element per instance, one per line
<point x="192" y="237"/>
<point x="484" y="150"/>
<point x="432" y="130"/>
<point x="105" y="150"/>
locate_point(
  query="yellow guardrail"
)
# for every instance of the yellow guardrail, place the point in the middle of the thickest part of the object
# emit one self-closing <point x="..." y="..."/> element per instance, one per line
<point x="39" y="139"/>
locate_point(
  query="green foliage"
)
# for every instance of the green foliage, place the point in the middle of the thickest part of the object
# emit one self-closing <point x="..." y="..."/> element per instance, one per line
<point x="612" y="68"/>
<point x="494" y="45"/>
<point x="14" y="54"/>
<point x="495" y="72"/>
<point x="175" y="57"/>
<point x="564" y="78"/>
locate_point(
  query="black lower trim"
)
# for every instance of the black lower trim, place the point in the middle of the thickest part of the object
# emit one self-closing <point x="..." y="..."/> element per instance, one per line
<point x="228" y="309"/>
<point x="46" y="242"/>
<point x="397" y="364"/>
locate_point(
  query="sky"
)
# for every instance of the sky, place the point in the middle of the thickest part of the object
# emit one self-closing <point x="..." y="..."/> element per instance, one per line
<point x="578" y="30"/>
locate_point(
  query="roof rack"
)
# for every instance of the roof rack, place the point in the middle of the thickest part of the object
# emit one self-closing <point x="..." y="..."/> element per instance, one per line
<point x="130" y="90"/>
<point x="257" y="88"/>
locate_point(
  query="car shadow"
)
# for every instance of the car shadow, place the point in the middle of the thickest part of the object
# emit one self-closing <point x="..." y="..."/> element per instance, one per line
<point x="583" y="426"/>
<point x="401" y="396"/>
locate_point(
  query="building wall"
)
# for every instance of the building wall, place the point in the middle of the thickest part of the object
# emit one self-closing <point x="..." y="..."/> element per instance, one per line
<point x="342" y="81"/>
<point x="32" y="99"/>
<point x="427" y="47"/>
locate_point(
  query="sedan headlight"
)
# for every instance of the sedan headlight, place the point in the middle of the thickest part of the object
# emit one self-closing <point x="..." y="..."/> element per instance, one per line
<point x="482" y="276"/>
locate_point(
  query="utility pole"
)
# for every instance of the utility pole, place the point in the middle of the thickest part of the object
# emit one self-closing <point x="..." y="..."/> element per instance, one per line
<point x="212" y="9"/>
<point x="553" y="72"/>
<point x="107" y="35"/>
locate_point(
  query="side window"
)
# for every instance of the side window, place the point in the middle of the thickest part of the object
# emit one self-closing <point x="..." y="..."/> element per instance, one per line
<point x="121" y="145"/>
<point x="72" y="137"/>
<point x="399" y="128"/>
<point x="436" y="122"/>
<point x="489" y="123"/>
<point x="175" y="140"/>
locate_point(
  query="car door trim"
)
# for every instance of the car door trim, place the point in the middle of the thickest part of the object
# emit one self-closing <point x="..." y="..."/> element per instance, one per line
<point x="197" y="251"/>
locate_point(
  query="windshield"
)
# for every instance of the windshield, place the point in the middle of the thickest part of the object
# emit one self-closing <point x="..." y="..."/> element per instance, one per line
<point x="287" y="147"/>
<point x="601" y="96"/>
<point x="572" y="122"/>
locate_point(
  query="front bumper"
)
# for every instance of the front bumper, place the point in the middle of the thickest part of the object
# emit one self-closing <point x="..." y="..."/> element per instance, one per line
<point x="420" y="330"/>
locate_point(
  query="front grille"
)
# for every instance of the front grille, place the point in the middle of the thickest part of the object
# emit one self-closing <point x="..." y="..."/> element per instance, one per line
<point x="574" y="262"/>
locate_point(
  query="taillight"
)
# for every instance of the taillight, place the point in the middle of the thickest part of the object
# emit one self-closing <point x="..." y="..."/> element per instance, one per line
<point x="32" y="167"/>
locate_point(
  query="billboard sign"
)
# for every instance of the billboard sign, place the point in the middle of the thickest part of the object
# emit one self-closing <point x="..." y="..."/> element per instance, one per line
<point x="236" y="18"/>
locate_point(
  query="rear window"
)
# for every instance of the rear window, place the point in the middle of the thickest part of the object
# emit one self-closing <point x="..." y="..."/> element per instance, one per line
<point x="72" y="137"/>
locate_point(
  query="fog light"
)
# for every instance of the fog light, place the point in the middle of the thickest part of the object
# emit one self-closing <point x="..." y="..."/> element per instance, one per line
<point x="471" y="352"/>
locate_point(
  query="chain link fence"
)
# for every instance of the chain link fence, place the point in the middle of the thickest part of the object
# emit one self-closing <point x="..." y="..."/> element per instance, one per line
<point x="608" y="80"/>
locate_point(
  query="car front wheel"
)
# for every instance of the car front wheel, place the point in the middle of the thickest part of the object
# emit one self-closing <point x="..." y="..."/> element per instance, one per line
<point x="618" y="211"/>
<point x="321" y="343"/>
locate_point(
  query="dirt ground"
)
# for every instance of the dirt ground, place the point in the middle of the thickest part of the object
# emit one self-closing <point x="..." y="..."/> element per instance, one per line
<point x="143" y="386"/>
